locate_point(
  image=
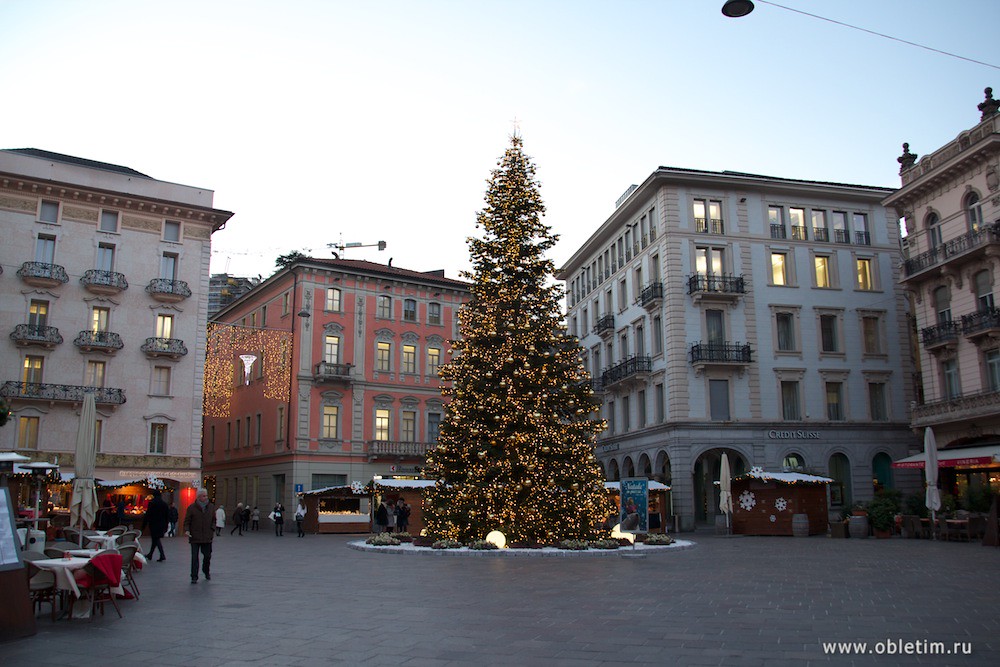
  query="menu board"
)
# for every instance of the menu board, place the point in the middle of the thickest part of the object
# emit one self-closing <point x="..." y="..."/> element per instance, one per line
<point x="10" y="547"/>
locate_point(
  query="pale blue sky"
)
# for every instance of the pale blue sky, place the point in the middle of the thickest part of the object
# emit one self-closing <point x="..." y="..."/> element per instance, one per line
<point x="381" y="120"/>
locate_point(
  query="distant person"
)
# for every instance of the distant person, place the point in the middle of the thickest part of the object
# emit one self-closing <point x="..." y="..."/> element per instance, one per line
<point x="255" y="519"/>
<point x="157" y="517"/>
<point x="237" y="519"/>
<point x="246" y="517"/>
<point x="402" y="515"/>
<point x="172" y="517"/>
<point x="220" y="520"/>
<point x="120" y="513"/>
<point x="199" y="522"/>
<point x="278" y="517"/>
<point x="300" y="517"/>
<point x="106" y="515"/>
<point x="381" y="518"/>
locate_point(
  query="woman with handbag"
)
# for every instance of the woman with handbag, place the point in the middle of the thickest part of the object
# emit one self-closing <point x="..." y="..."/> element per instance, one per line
<point x="277" y="515"/>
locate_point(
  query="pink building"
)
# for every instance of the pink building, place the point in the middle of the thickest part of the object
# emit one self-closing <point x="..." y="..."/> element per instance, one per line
<point x="340" y="354"/>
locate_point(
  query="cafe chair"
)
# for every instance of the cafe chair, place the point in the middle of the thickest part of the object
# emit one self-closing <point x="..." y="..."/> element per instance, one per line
<point x="129" y="537"/>
<point x="976" y="528"/>
<point x="56" y="551"/>
<point x="41" y="587"/>
<point x="941" y="530"/>
<point x="97" y="578"/>
<point x="71" y="535"/>
<point x="128" y="567"/>
<point x="117" y="530"/>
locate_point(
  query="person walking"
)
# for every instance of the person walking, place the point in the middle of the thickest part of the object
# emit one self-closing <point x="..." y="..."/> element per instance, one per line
<point x="199" y="522"/>
<point x="220" y="520"/>
<point x="157" y="517"/>
<point x="246" y="517"/>
<point x="237" y="519"/>
<point x="255" y="519"/>
<point x="278" y="516"/>
<point x="300" y="517"/>
<point x="172" y="518"/>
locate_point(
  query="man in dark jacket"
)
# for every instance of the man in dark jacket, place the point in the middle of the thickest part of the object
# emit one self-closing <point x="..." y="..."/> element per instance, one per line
<point x="199" y="526"/>
<point x="157" y="518"/>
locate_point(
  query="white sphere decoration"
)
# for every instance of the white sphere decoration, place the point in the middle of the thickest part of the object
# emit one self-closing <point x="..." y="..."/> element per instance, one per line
<point x="617" y="534"/>
<point x="497" y="538"/>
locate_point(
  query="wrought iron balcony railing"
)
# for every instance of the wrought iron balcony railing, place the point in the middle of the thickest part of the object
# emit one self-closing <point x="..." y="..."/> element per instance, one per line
<point x="721" y="353"/>
<point x="710" y="226"/>
<point x="42" y="274"/>
<point x="635" y="365"/>
<point x="778" y="232"/>
<point x="941" y="334"/>
<point x="104" y="282"/>
<point x="981" y="321"/>
<point x="841" y="236"/>
<point x="863" y="238"/>
<point x="105" y="341"/>
<point x="164" y="347"/>
<point x="43" y="391"/>
<point x="651" y="293"/>
<point x="164" y="289"/>
<point x="953" y="248"/>
<point x="605" y="324"/>
<point x="975" y="405"/>
<point x="36" y="334"/>
<point x="798" y="233"/>
<point x="724" y="284"/>
<point x="378" y="448"/>
<point x="326" y="371"/>
<point x="821" y="234"/>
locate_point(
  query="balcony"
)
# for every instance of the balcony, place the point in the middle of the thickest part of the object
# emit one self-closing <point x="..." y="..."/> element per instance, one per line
<point x="651" y="296"/>
<point x="711" y="287"/>
<point x="392" y="449"/>
<point x="821" y="234"/>
<point x="799" y="233"/>
<point x="605" y="325"/>
<point x="941" y="336"/>
<point x="36" y="334"/>
<point x="720" y="354"/>
<point x="633" y="369"/>
<point x="96" y="281"/>
<point x="66" y="393"/>
<point x="841" y="236"/>
<point x="966" y="407"/>
<point x="98" y="341"/>
<point x="778" y="232"/>
<point x="968" y="246"/>
<point x="41" y="274"/>
<point x="862" y="238"/>
<point x="710" y="226"/>
<point x="170" y="348"/>
<point x="168" y="291"/>
<point x="326" y="371"/>
<point x="982" y="324"/>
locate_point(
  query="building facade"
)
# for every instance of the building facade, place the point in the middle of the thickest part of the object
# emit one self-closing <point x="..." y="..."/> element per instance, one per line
<point x="723" y="312"/>
<point x="950" y="201"/>
<point x="104" y="287"/>
<point x="223" y="289"/>
<point x="340" y="380"/>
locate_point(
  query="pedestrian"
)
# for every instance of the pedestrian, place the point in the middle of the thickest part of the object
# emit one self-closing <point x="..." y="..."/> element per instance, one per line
<point x="381" y="517"/>
<point x="198" y="524"/>
<point x="172" y="517"/>
<point x="246" y="517"/>
<point x="402" y="515"/>
<point x="220" y="520"/>
<point x="255" y="518"/>
<point x="300" y="517"/>
<point x="157" y="517"/>
<point x="120" y="513"/>
<point x="237" y="519"/>
<point x="278" y="517"/>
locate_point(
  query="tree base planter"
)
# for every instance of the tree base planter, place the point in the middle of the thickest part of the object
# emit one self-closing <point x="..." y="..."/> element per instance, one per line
<point x="859" y="527"/>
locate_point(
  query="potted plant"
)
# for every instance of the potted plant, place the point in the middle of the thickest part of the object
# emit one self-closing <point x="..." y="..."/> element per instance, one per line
<point x="882" y="515"/>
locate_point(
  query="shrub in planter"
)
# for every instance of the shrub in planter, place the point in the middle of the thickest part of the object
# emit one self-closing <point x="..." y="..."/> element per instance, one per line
<point x="659" y="539"/>
<point x="482" y="545"/>
<point x="882" y="513"/>
<point x="604" y="544"/>
<point x="446" y="544"/>
<point x="525" y="545"/>
<point x="382" y="540"/>
<point x="574" y="545"/>
<point x="403" y="537"/>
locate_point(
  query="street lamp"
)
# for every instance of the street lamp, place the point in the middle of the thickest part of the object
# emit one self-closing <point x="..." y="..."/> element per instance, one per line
<point x="734" y="9"/>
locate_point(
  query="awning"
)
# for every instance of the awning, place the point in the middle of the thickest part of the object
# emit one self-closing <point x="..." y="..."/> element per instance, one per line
<point x="952" y="458"/>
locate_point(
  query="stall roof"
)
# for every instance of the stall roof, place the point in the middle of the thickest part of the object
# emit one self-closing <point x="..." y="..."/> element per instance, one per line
<point x="788" y="477"/>
<point x="952" y="458"/>
<point x="653" y="486"/>
<point x="327" y="489"/>
<point x="11" y="456"/>
<point x="404" y="483"/>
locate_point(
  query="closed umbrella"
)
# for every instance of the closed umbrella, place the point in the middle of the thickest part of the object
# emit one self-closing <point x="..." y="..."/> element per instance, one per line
<point x="932" y="498"/>
<point x="84" y="500"/>
<point x="725" y="489"/>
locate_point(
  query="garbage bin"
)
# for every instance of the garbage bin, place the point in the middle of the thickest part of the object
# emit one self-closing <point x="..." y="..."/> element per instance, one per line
<point x="32" y="540"/>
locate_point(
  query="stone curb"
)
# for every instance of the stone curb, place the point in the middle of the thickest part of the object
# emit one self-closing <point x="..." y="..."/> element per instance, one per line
<point x="520" y="553"/>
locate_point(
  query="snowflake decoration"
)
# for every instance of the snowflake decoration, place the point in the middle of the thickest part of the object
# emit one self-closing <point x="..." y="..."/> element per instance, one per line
<point x="773" y="519"/>
<point x="357" y="487"/>
<point x="781" y="504"/>
<point x="155" y="482"/>
<point x="756" y="471"/>
<point x="747" y="500"/>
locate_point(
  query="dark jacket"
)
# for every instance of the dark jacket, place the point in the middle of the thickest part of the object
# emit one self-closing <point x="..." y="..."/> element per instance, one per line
<point x="157" y="517"/>
<point x="173" y="515"/>
<point x="200" y="523"/>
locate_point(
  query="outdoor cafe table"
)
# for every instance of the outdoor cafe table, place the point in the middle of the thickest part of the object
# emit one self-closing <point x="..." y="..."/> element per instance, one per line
<point x="63" y="569"/>
<point x="105" y="540"/>
<point x="83" y="553"/>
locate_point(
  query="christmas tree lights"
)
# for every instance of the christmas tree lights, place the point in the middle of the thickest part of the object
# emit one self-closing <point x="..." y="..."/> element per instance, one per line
<point x="515" y="450"/>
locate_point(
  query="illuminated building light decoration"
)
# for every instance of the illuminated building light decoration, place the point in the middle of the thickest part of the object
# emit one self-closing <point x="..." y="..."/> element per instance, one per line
<point x="225" y="343"/>
<point x="515" y="450"/>
<point x="247" y="360"/>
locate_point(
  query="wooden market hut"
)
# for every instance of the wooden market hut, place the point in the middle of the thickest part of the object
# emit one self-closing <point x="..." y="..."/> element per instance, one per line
<point x="412" y="493"/>
<point x="767" y="503"/>
<point x="337" y="509"/>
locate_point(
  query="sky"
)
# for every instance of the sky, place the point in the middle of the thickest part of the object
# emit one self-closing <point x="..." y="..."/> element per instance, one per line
<point x="320" y="122"/>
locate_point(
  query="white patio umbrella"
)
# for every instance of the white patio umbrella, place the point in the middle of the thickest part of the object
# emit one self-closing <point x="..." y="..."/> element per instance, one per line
<point x="726" y="489"/>
<point x="84" y="500"/>
<point x="932" y="499"/>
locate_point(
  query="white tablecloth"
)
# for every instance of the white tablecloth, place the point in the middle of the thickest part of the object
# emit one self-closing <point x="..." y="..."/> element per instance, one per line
<point x="63" y="568"/>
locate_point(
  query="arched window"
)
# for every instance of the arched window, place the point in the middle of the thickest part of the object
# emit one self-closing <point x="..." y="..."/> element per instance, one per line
<point x="933" y="224"/>
<point x="840" y="489"/>
<point x="793" y="461"/>
<point x="973" y="212"/>
<point x="882" y="471"/>
<point x="942" y="304"/>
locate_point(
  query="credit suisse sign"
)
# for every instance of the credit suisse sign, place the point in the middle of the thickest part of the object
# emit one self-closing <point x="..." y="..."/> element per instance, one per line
<point x="798" y="434"/>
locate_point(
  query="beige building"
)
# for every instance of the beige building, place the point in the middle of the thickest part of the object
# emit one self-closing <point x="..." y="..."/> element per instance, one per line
<point x="104" y="285"/>
<point x="950" y="200"/>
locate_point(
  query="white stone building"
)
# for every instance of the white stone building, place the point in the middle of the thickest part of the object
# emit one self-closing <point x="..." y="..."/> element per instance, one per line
<point x="757" y="316"/>
<point x="104" y="284"/>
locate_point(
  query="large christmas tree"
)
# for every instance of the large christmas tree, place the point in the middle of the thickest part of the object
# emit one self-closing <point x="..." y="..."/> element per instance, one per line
<point x="515" y="451"/>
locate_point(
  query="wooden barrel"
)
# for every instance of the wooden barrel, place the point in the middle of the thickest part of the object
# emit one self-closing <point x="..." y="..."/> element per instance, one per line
<point x="800" y="525"/>
<point x="858" y="526"/>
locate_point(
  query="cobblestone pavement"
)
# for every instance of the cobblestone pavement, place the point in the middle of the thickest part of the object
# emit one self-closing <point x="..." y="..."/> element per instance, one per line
<point x="727" y="601"/>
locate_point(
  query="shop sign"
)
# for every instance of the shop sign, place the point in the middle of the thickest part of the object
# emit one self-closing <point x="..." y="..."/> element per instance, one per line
<point x="797" y="434"/>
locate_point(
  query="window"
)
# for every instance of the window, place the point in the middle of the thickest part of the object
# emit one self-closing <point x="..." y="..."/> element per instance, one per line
<point x="168" y="266"/>
<point x="785" y="324"/>
<point x="992" y="363"/>
<point x="27" y="432"/>
<point x="611" y="417"/>
<point x="623" y="349"/>
<point x="861" y="234"/>
<point x="236" y="440"/>
<point x="94" y="376"/>
<point x="871" y="332"/>
<point x="383" y="307"/>
<point x="642" y="408"/>
<point x="45" y="249"/>
<point x="434" y="313"/>
<point x="330" y="416"/>
<point x="171" y="231"/>
<point x="950" y="380"/>
<point x="840" y="227"/>
<point x="433" y="426"/>
<point x="105" y="257"/>
<point x="822" y="263"/>
<point x="99" y="319"/>
<point x="865" y="277"/>
<point x="164" y="326"/>
<point x="433" y="360"/>
<point x="640" y="340"/>
<point x="229" y="435"/>
<point x="382" y="424"/>
<point x="285" y="303"/>
<point x="984" y="291"/>
<point x="158" y="438"/>
<point x="109" y="222"/>
<point x="933" y="224"/>
<point x="332" y="303"/>
<point x="715" y="327"/>
<point x="280" y="431"/>
<point x="331" y="349"/>
<point x="793" y="461"/>
<point x="408" y="426"/>
<point x="820" y="232"/>
<point x="248" y="433"/>
<point x="718" y="400"/>
<point x="660" y="398"/>
<point x="776" y="221"/>
<point x="834" y="401"/>
<point x="49" y="211"/>
<point x="876" y="402"/>
<point x="657" y="335"/>
<point x="161" y="380"/>
<point x="829" y="338"/>
<point x="622" y="294"/>
<point x="779" y="270"/>
<point x="709" y="261"/>
<point x="409" y="359"/>
<point x="973" y="212"/>
<point x="708" y="216"/>
<point x="257" y="430"/>
<point x="33" y="369"/>
<point x="383" y="356"/>
<point x="790" y="410"/>
<point x="797" y="216"/>
<point x="38" y="313"/>
<point x="99" y="434"/>
<point x="409" y="310"/>
<point x="942" y="304"/>
<point x="626" y="414"/>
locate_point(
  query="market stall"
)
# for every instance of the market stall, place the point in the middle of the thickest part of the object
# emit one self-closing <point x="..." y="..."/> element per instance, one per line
<point x="660" y="519"/>
<point x="412" y="493"/>
<point x="337" y="509"/>
<point x="778" y="503"/>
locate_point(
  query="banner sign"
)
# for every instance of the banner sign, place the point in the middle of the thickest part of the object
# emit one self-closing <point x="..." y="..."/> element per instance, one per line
<point x="634" y="503"/>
